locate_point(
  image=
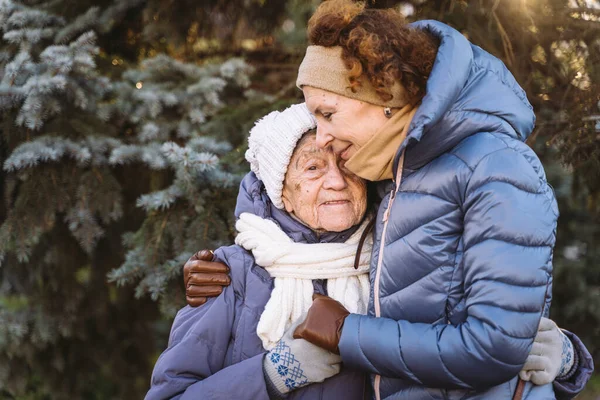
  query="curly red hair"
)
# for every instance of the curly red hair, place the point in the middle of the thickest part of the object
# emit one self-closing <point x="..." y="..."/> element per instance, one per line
<point x="377" y="45"/>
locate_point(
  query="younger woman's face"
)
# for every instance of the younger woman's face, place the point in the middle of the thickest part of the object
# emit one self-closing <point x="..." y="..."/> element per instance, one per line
<point x="344" y="124"/>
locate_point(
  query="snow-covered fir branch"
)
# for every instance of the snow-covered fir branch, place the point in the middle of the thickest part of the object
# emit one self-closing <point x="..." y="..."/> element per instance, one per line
<point x="159" y="200"/>
<point x="46" y="149"/>
<point x="149" y="154"/>
<point x="185" y="157"/>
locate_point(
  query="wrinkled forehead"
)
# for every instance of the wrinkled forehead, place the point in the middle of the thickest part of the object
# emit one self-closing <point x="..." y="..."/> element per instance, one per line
<point x="307" y="148"/>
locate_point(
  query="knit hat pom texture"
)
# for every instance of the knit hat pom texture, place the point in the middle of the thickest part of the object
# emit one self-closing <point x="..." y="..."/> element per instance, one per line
<point x="271" y="144"/>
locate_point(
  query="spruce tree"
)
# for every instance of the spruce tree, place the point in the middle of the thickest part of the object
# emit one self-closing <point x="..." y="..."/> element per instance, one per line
<point x="169" y="111"/>
<point x="60" y="197"/>
<point x="104" y="172"/>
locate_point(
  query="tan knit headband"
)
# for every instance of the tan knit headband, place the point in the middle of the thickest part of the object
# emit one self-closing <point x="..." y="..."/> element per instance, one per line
<point x="324" y="68"/>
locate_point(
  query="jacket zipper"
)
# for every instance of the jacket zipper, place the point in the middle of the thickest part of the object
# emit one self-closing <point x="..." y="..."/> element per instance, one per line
<point x="386" y="217"/>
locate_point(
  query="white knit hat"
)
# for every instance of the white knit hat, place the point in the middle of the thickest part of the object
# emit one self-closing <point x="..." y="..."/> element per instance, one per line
<point x="271" y="144"/>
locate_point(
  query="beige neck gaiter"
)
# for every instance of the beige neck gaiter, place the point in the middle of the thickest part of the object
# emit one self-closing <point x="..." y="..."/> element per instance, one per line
<point x="374" y="161"/>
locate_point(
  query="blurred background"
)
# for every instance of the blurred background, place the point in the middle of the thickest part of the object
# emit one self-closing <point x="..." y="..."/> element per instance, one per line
<point x="123" y="131"/>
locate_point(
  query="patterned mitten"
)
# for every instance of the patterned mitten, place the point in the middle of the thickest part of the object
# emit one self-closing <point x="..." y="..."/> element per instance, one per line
<point x="294" y="363"/>
<point x="568" y="358"/>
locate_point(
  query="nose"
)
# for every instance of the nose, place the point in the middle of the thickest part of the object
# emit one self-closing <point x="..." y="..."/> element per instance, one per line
<point x="335" y="178"/>
<point x="324" y="138"/>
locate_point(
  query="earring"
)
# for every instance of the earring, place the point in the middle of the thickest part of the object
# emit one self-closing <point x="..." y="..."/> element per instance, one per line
<point x="387" y="112"/>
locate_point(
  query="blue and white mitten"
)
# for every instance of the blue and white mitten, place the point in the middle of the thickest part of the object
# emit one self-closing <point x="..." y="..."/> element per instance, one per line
<point x="569" y="360"/>
<point x="294" y="363"/>
<point x="551" y="357"/>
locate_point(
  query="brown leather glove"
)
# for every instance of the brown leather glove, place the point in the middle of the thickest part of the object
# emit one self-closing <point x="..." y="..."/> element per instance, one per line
<point x="204" y="278"/>
<point x="323" y="323"/>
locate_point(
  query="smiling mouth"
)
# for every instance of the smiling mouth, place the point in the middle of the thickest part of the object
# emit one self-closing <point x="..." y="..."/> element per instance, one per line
<point x="335" y="202"/>
<point x="344" y="153"/>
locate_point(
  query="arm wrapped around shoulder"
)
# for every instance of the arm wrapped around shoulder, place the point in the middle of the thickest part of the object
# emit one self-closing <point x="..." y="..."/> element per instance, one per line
<point x="204" y="277"/>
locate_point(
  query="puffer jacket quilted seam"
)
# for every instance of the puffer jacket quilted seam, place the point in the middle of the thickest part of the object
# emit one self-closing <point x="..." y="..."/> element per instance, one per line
<point x="448" y="290"/>
<point x="434" y="270"/>
<point x="429" y="194"/>
<point x="436" y="217"/>
<point x="518" y="91"/>
<point x="542" y="183"/>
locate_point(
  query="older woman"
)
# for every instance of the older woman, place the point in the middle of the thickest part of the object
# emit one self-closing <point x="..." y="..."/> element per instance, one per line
<point x="296" y="236"/>
<point x="461" y="275"/>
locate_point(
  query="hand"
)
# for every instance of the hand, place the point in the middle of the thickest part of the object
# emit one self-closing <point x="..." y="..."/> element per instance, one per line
<point x="323" y="323"/>
<point x="204" y="278"/>
<point x="294" y="363"/>
<point x="550" y="356"/>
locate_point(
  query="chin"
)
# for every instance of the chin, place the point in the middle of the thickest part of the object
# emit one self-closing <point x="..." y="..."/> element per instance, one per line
<point x="337" y="226"/>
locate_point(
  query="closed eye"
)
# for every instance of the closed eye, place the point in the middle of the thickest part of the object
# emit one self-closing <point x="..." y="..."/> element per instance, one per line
<point x="327" y="115"/>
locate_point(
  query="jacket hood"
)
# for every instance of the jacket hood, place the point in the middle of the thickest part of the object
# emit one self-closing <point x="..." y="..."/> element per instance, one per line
<point x="253" y="198"/>
<point x="468" y="91"/>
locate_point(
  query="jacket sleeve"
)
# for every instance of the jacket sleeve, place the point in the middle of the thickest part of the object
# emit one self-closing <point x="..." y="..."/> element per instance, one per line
<point x="571" y="387"/>
<point x="510" y="216"/>
<point x="192" y="367"/>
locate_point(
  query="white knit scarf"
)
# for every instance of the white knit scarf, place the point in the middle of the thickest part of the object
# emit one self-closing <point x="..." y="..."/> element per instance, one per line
<point x="295" y="265"/>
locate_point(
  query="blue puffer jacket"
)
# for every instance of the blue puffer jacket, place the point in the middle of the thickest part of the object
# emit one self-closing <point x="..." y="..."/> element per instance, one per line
<point x="462" y="271"/>
<point x="214" y="352"/>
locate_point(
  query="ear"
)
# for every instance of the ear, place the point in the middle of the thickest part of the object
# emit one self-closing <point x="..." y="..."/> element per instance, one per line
<point x="287" y="204"/>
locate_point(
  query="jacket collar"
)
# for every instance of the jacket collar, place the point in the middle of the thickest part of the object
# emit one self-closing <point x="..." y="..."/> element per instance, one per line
<point x="468" y="91"/>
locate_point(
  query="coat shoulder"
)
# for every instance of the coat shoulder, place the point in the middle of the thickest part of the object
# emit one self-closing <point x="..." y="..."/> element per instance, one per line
<point x="193" y="320"/>
<point x="505" y="154"/>
<point x="241" y="265"/>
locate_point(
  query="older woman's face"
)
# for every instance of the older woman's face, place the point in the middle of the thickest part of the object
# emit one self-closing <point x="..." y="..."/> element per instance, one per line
<point x="344" y="124"/>
<point x="320" y="192"/>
